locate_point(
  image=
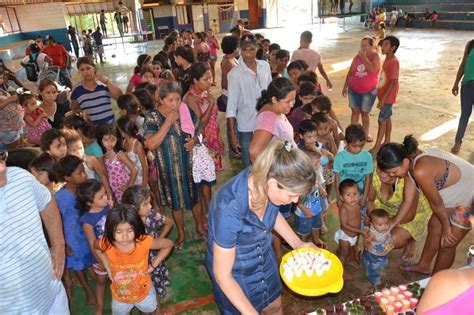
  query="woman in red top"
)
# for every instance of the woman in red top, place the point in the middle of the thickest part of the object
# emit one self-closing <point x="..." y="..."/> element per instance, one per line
<point x="361" y="83"/>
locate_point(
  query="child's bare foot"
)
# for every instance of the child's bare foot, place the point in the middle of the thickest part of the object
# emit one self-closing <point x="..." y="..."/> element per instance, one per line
<point x="69" y="292"/>
<point x="319" y="243"/>
<point x="324" y="229"/>
<point x="90" y="300"/>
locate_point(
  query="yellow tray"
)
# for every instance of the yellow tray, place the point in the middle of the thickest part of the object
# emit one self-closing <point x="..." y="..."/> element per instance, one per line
<point x="330" y="282"/>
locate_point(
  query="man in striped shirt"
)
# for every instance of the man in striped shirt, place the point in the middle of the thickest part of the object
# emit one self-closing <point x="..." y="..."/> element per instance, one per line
<point x="93" y="95"/>
<point x="30" y="272"/>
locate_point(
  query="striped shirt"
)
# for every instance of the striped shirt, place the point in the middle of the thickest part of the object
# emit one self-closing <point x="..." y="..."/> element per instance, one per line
<point x="26" y="271"/>
<point x="97" y="103"/>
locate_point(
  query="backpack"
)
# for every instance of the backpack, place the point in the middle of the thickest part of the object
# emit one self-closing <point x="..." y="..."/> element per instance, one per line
<point x="32" y="69"/>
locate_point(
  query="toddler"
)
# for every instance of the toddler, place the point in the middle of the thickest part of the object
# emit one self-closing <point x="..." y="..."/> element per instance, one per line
<point x="377" y="243"/>
<point x="35" y="118"/>
<point x="350" y="222"/>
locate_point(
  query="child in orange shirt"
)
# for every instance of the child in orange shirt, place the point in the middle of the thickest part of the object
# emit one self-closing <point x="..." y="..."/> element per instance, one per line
<point x="124" y="252"/>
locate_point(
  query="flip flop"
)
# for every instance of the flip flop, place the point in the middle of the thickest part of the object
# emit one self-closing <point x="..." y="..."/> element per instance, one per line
<point x="408" y="266"/>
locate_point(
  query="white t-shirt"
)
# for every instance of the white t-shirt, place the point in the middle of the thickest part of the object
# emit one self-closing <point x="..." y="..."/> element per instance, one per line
<point x="40" y="61"/>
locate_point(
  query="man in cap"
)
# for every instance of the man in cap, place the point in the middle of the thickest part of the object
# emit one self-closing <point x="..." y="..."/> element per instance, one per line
<point x="245" y="84"/>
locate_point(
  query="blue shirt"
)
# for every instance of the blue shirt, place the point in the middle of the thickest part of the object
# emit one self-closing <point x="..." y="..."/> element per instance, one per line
<point x="74" y="236"/>
<point x="97" y="103"/>
<point x="233" y="225"/>
<point x="96" y="220"/>
<point x="354" y="166"/>
<point x="94" y="149"/>
<point x="311" y="201"/>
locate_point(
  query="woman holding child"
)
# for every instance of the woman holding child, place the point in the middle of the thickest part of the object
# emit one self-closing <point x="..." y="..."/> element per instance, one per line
<point x="242" y="215"/>
<point x="446" y="181"/>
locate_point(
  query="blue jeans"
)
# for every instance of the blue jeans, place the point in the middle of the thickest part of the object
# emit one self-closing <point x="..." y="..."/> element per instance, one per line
<point x="385" y="112"/>
<point x="244" y="140"/>
<point x="363" y="102"/>
<point x="373" y="266"/>
<point x="304" y="225"/>
<point x="467" y="101"/>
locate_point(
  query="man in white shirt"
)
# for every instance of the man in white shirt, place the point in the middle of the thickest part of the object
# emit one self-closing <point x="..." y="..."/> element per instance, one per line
<point x="311" y="56"/>
<point x="245" y="84"/>
<point x="43" y="61"/>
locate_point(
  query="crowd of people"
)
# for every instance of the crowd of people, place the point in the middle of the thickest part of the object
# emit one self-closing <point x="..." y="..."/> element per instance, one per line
<point x="108" y="177"/>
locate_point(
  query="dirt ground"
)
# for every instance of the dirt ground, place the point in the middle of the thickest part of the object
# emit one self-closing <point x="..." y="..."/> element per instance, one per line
<point x="429" y="60"/>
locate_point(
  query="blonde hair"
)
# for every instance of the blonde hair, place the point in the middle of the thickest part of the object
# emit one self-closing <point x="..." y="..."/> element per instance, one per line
<point x="312" y="152"/>
<point x="289" y="166"/>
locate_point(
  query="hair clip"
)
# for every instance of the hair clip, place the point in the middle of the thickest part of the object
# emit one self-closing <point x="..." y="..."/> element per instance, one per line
<point x="288" y="146"/>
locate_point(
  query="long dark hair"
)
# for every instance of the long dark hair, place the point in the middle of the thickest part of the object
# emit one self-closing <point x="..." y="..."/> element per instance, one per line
<point x="108" y="129"/>
<point x="145" y="98"/>
<point x="278" y="88"/>
<point x="392" y="154"/>
<point x="123" y="214"/>
<point x="141" y="60"/>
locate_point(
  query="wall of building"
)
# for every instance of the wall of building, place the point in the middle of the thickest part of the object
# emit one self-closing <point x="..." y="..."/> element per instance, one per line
<point x="43" y="19"/>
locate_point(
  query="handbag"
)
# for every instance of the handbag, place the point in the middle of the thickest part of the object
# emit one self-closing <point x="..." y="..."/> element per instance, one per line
<point x="204" y="168"/>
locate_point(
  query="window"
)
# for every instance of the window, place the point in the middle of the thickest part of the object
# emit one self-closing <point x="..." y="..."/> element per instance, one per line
<point x="226" y="13"/>
<point x="183" y="14"/>
<point x="8" y="21"/>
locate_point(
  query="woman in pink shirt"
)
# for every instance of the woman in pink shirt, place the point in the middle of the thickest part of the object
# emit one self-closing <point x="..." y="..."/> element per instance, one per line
<point x="273" y="106"/>
<point x="361" y="83"/>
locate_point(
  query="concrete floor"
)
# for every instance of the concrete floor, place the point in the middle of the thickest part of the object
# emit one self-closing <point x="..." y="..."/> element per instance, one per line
<point x="426" y="108"/>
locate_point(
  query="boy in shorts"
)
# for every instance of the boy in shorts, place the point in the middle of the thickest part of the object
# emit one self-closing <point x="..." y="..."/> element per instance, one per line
<point x="387" y="90"/>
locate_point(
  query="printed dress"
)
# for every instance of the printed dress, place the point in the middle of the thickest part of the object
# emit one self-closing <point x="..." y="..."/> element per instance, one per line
<point x="159" y="277"/>
<point x="118" y="174"/>
<point x="211" y="134"/>
<point x="174" y="164"/>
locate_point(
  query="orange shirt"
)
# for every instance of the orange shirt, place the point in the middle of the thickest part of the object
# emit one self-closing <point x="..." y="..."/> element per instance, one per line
<point x="131" y="282"/>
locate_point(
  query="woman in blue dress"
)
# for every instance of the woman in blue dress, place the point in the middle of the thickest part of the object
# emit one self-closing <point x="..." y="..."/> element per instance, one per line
<point x="242" y="216"/>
